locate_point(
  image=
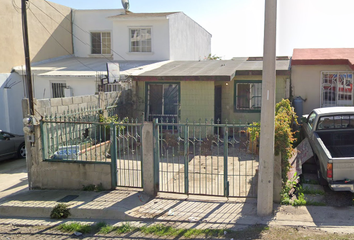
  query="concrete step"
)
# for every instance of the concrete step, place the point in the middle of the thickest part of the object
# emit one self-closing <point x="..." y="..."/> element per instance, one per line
<point x="86" y="205"/>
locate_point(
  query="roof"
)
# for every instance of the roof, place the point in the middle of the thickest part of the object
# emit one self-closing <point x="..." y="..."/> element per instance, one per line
<point x="335" y="110"/>
<point x="323" y="56"/>
<point x="85" y="67"/>
<point x="131" y="15"/>
<point x="213" y="70"/>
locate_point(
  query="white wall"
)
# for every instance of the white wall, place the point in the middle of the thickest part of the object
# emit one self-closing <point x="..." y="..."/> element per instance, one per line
<point x="159" y="40"/>
<point x="86" y="21"/>
<point x="188" y="40"/>
<point x="80" y="85"/>
<point x="11" y="94"/>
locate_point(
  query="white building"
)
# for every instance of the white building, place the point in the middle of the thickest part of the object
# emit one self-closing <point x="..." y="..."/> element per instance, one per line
<point x="139" y="36"/>
<point x="134" y="40"/>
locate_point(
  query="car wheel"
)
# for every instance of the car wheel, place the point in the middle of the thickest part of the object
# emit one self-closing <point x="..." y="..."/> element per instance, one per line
<point x="21" y="152"/>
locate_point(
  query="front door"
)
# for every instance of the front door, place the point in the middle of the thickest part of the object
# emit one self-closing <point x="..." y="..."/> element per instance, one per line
<point x="162" y="101"/>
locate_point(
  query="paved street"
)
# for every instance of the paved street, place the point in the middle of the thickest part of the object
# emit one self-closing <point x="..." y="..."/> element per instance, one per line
<point x="13" y="177"/>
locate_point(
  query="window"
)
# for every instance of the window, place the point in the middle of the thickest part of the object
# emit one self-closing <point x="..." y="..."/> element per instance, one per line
<point x="248" y="95"/>
<point x="100" y="43"/>
<point x="58" y="90"/>
<point x="336" y="89"/>
<point x="311" y="119"/>
<point x="140" y="40"/>
<point x="162" y="101"/>
<point x="338" y="121"/>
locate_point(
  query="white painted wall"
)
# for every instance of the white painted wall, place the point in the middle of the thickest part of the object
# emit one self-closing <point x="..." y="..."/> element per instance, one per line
<point x="176" y="37"/>
<point x="188" y="40"/>
<point x="11" y="94"/>
<point x="80" y="85"/>
<point x="159" y="40"/>
<point x="86" y="21"/>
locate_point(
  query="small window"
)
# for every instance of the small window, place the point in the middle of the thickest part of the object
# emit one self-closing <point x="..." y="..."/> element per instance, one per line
<point x="140" y="40"/>
<point x="58" y="90"/>
<point x="100" y="43"/>
<point x="248" y="95"/>
<point x="311" y="119"/>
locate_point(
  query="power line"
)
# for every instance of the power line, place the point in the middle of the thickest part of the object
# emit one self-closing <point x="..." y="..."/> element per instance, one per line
<point x="83" y="30"/>
<point x="51" y="35"/>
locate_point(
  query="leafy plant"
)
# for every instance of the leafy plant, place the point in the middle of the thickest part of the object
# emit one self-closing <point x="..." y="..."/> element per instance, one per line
<point x="92" y="187"/>
<point x="75" y="227"/>
<point x="60" y="211"/>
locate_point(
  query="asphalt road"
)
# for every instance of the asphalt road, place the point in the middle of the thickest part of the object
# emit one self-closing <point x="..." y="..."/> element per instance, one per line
<point x="13" y="176"/>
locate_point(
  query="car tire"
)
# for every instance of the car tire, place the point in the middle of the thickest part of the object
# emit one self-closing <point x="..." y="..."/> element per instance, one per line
<point x="21" y="151"/>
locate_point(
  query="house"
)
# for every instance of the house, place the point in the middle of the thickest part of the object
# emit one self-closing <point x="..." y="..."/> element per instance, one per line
<point x="323" y="77"/>
<point x="99" y="37"/>
<point x="120" y="35"/>
<point x="43" y="45"/>
<point x="203" y="90"/>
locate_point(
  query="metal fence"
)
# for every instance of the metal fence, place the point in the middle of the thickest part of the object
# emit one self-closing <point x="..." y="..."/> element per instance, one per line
<point x="127" y="150"/>
<point x="206" y="158"/>
<point x="88" y="136"/>
<point x="76" y="136"/>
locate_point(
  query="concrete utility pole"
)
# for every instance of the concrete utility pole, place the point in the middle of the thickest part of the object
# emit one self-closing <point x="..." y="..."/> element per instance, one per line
<point x="266" y="151"/>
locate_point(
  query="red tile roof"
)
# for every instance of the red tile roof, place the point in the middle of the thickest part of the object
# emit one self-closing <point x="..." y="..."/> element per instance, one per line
<point x="323" y="56"/>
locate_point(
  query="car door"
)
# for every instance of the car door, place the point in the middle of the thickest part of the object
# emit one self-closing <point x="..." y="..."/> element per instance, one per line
<point x="7" y="147"/>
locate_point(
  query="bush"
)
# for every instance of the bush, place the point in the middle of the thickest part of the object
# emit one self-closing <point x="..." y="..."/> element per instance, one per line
<point x="60" y="211"/>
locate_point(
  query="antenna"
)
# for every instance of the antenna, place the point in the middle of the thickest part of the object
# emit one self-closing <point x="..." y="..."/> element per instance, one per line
<point x="125" y="4"/>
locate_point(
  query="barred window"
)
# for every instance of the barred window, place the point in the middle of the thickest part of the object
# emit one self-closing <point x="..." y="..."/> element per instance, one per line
<point x="248" y="95"/>
<point x="58" y="90"/>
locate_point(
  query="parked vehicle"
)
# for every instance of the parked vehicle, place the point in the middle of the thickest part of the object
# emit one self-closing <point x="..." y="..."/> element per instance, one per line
<point x="11" y="145"/>
<point x="330" y="132"/>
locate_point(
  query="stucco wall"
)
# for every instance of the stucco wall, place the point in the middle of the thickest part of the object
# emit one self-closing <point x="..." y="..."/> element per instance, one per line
<point x="197" y="101"/>
<point x="42" y="43"/>
<point x="305" y="81"/>
<point x="87" y="21"/>
<point x="80" y="85"/>
<point x="188" y="40"/>
<point x="159" y="40"/>
<point x="228" y="107"/>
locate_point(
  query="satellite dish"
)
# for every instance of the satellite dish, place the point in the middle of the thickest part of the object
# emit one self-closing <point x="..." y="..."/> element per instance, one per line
<point x="125" y="4"/>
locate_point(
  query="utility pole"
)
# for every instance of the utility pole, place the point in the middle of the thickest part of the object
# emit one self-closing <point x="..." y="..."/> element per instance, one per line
<point x="29" y="87"/>
<point x="266" y="151"/>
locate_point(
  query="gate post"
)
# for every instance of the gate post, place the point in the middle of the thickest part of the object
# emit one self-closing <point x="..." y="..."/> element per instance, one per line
<point x="186" y="158"/>
<point x="113" y="129"/>
<point x="149" y="174"/>
<point x="226" y="154"/>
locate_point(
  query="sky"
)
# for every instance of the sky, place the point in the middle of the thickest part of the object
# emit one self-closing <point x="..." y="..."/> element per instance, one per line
<point x="237" y="26"/>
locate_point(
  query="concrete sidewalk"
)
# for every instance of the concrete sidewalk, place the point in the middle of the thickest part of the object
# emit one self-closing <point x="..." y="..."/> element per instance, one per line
<point x="34" y="207"/>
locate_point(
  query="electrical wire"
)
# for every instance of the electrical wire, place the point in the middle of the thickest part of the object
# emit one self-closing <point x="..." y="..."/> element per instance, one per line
<point x="51" y="35"/>
<point x="83" y="30"/>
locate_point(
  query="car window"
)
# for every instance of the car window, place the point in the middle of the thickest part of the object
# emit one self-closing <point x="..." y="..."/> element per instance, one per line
<point x="311" y="119"/>
<point x="336" y="121"/>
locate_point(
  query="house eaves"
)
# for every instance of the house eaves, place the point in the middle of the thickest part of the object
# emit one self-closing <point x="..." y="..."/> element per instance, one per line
<point x="142" y="16"/>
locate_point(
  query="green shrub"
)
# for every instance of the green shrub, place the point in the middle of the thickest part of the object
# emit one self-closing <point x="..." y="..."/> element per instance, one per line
<point x="60" y="211"/>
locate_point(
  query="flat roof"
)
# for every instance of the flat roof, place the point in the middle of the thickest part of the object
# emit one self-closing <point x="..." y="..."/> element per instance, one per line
<point x="131" y="15"/>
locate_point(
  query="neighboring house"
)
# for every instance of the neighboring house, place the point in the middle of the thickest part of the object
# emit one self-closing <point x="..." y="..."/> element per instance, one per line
<point x="42" y="31"/>
<point x="139" y="36"/>
<point x="204" y="90"/>
<point x="323" y="77"/>
<point x="101" y="36"/>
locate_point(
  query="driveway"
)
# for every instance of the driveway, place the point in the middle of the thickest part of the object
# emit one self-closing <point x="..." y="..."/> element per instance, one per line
<point x="13" y="177"/>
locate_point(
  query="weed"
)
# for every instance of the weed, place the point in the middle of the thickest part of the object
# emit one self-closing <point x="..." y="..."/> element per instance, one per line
<point x="90" y="187"/>
<point x="107" y="229"/>
<point x="125" y="228"/>
<point x="75" y="227"/>
<point x="307" y="190"/>
<point x="60" y="211"/>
